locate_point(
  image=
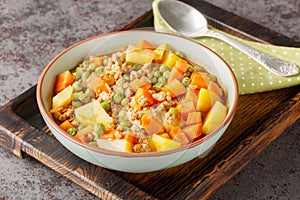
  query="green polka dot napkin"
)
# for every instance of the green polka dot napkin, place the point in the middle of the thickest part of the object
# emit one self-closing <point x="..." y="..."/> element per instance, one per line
<point x="251" y="76"/>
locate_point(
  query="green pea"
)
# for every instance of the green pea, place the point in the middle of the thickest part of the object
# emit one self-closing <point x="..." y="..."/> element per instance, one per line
<point x="117" y="98"/>
<point x="93" y="143"/>
<point x="162" y="80"/>
<point x="76" y="95"/>
<point x="122" y="114"/>
<point x="125" y="123"/>
<point x="128" y="63"/>
<point x="99" y="129"/>
<point x="86" y="63"/>
<point x="157" y="74"/>
<point x="85" y="74"/>
<point x="166" y="74"/>
<point x="105" y="61"/>
<point x="124" y="101"/>
<point x="179" y="53"/>
<point x="173" y="111"/>
<point x="163" y="68"/>
<point x="92" y="66"/>
<point x="79" y="70"/>
<point x="119" y="89"/>
<point x="186" y="81"/>
<point x="72" y="131"/>
<point x="155" y="69"/>
<point x="76" y="104"/>
<point x="153" y="80"/>
<point x="158" y="86"/>
<point x="198" y="68"/>
<point x="77" y="86"/>
<point x="76" y="75"/>
<point x="89" y="92"/>
<point x="85" y="99"/>
<point x="190" y="68"/>
<point x="137" y="67"/>
<point x="99" y="70"/>
<point x="105" y="105"/>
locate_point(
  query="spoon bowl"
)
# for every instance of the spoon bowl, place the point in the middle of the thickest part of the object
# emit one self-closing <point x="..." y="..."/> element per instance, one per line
<point x="187" y="21"/>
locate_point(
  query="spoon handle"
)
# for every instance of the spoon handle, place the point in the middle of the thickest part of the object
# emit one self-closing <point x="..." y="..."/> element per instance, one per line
<point x="275" y="65"/>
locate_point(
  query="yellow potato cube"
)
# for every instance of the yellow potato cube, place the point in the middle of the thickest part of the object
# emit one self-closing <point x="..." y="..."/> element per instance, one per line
<point x="162" y="143"/>
<point x="115" y="145"/>
<point x="206" y="100"/>
<point x="214" y="117"/>
<point x="92" y="113"/>
<point x="63" y="98"/>
<point x="140" y="56"/>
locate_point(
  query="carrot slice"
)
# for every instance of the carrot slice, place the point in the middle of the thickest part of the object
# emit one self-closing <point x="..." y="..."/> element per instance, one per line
<point x="143" y="92"/>
<point x="181" y="66"/>
<point x="199" y="80"/>
<point x="130" y="138"/>
<point x="63" y="80"/>
<point x="66" y="125"/>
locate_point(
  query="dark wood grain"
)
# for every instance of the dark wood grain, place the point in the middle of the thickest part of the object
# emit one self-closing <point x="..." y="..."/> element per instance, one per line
<point x="260" y="119"/>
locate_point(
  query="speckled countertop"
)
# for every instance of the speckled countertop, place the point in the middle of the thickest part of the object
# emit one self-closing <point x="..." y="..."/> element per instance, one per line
<point x="33" y="32"/>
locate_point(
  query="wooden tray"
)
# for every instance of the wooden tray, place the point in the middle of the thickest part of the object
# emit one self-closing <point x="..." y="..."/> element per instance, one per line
<point x="260" y="119"/>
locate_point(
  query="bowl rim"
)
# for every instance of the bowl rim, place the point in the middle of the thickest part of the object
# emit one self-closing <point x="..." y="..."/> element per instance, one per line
<point x="107" y="152"/>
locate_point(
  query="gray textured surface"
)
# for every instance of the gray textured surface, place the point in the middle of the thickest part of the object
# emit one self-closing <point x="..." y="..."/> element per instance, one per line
<point x="33" y="32"/>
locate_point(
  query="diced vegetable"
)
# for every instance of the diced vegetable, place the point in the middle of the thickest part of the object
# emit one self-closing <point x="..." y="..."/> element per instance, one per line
<point x="163" y="144"/>
<point x="181" y="65"/>
<point x="175" y="88"/>
<point x="62" y="81"/>
<point x="214" y="117"/>
<point x="206" y="100"/>
<point x="63" y="98"/>
<point x="186" y="108"/>
<point x="115" y="145"/>
<point x="137" y="83"/>
<point x="97" y="60"/>
<point x="92" y="113"/>
<point x="193" y="131"/>
<point x="144" y="44"/>
<point x="191" y="95"/>
<point x="174" y="74"/>
<point x="199" y="79"/>
<point x="97" y="84"/>
<point x="193" y="118"/>
<point x="159" y="52"/>
<point x="142" y="93"/>
<point x="178" y="135"/>
<point x="212" y="86"/>
<point x="151" y="124"/>
<point x="130" y="138"/>
<point x="170" y="59"/>
<point x="66" y="125"/>
<point x="109" y="134"/>
<point x="140" y="56"/>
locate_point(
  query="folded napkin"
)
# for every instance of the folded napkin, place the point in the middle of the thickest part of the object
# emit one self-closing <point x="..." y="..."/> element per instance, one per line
<point x="251" y="76"/>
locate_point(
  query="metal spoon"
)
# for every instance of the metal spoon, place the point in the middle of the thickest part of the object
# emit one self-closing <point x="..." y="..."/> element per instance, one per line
<point x="189" y="22"/>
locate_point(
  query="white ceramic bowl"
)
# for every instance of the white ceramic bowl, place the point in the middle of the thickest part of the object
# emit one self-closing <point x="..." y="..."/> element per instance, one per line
<point x="135" y="162"/>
